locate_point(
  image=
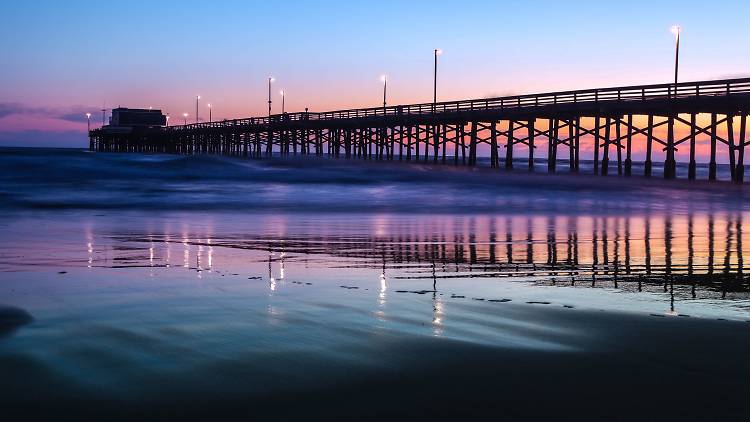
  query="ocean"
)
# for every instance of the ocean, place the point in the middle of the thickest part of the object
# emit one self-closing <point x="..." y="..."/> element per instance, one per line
<point x="164" y="287"/>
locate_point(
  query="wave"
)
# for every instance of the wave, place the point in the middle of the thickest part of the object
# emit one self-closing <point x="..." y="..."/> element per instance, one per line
<point x="78" y="179"/>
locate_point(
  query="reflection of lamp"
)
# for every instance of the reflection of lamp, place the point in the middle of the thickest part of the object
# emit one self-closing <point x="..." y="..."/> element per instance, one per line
<point x="169" y="250"/>
<point x="437" y="313"/>
<point x="198" y="262"/>
<point x="90" y="249"/>
<point x="383" y="288"/>
<point x="186" y="253"/>
<point x="271" y="280"/>
<point x="210" y="255"/>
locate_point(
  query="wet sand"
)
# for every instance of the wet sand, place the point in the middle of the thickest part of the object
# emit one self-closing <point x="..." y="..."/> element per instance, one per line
<point x="127" y="325"/>
<point x="614" y="367"/>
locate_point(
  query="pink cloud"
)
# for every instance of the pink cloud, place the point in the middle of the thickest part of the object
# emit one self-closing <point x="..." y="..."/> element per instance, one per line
<point x="38" y="122"/>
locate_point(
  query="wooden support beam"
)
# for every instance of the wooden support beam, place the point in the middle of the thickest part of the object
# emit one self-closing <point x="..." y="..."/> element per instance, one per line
<point x="493" y="145"/>
<point x="408" y="142"/>
<point x="712" y="162"/>
<point x="416" y="142"/>
<point x="692" y="165"/>
<point x="395" y="138"/>
<point x="605" y="156"/>
<point x="435" y="142"/>
<point x="552" y="146"/>
<point x="463" y="143"/>
<point x="456" y="143"/>
<point x="427" y="133"/>
<point x="571" y="147"/>
<point x="509" y="146"/>
<point x="740" y="170"/>
<point x="629" y="147"/>
<point x="531" y="144"/>
<point x="473" y="144"/>
<point x="670" y="165"/>
<point x="730" y="138"/>
<point x="444" y="140"/>
<point x="701" y="130"/>
<point x="596" y="144"/>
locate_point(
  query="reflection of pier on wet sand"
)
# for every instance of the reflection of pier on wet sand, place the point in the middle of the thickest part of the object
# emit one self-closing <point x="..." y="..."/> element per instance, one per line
<point x="690" y="255"/>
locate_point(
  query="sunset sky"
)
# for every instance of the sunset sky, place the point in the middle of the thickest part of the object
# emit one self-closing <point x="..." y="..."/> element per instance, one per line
<point x="63" y="59"/>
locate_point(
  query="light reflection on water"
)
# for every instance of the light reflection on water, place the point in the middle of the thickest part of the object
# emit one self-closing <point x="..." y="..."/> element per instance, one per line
<point x="705" y="252"/>
<point x="680" y="257"/>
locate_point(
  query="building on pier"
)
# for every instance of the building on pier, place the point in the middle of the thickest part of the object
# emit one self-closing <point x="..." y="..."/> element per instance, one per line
<point x="137" y="117"/>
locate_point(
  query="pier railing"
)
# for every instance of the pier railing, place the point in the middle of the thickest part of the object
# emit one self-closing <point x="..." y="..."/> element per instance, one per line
<point x="638" y="93"/>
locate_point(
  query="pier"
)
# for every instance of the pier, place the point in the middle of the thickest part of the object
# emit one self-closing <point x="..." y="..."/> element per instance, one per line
<point x="604" y="123"/>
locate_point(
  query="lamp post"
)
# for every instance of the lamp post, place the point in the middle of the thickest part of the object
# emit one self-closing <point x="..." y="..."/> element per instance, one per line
<point x="270" y="79"/>
<point x="197" y="98"/>
<point x="88" y="121"/>
<point x="676" y="31"/>
<point x="283" y="101"/>
<point x="434" y="76"/>
<point x="185" y="115"/>
<point x="210" y="116"/>
<point x="384" y="79"/>
<point x="167" y="119"/>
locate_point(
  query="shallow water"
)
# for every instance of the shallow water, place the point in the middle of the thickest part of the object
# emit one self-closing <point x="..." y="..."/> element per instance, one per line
<point x="165" y="286"/>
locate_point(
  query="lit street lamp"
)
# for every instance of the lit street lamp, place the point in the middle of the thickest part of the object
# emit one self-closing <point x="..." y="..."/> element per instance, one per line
<point x="384" y="79"/>
<point x="88" y="121"/>
<point x="283" y="100"/>
<point x="270" y="79"/>
<point x="210" y="116"/>
<point x="676" y="31"/>
<point x="185" y="115"/>
<point x="434" y="80"/>
<point x="167" y="119"/>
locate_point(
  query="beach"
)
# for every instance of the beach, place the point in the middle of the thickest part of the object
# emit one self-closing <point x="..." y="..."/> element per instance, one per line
<point x="161" y="286"/>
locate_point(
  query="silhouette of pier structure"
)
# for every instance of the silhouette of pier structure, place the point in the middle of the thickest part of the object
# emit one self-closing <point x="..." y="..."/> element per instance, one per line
<point x="603" y="123"/>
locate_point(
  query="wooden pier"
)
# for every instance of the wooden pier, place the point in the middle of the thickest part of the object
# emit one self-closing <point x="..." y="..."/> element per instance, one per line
<point x="605" y="123"/>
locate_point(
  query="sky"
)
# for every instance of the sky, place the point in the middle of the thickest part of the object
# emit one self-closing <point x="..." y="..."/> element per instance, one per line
<point x="64" y="59"/>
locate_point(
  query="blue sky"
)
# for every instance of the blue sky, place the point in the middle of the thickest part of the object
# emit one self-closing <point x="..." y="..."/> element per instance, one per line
<point x="63" y="58"/>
